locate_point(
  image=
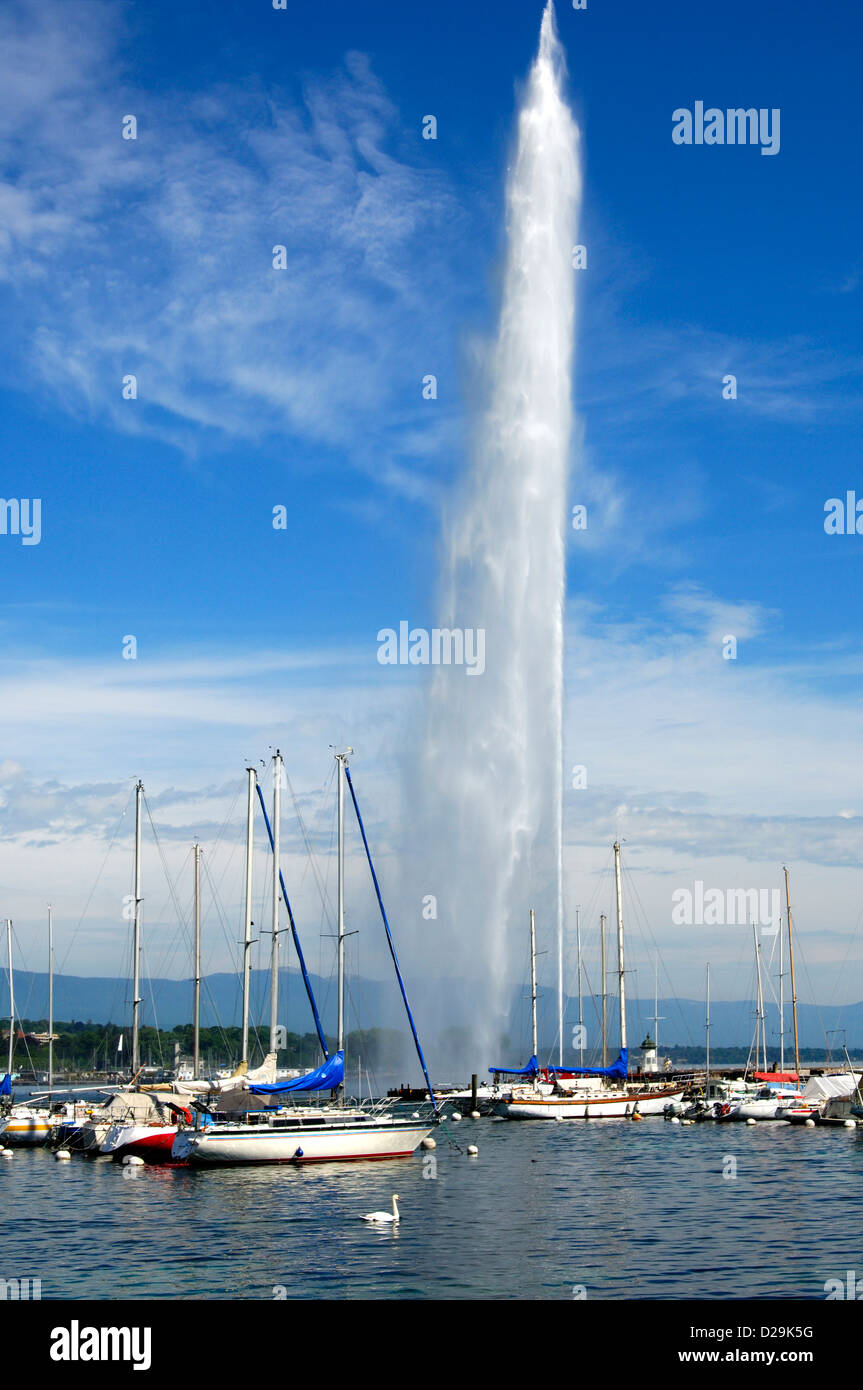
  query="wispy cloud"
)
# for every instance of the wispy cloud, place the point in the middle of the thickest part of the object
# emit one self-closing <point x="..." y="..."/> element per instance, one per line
<point x="154" y="256"/>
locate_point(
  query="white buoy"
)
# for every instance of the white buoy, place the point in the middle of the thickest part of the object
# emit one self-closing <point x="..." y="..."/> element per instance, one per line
<point x="850" y="1124"/>
<point x="475" y="1115"/>
<point x="455" y="1116"/>
<point x="133" y="1161"/>
<point x="675" y="1120"/>
<point x="62" y="1153"/>
<point x="750" y="1121"/>
<point x="472" y="1150"/>
<point x="429" y="1143"/>
<point x="809" y="1124"/>
<point x="7" y="1153"/>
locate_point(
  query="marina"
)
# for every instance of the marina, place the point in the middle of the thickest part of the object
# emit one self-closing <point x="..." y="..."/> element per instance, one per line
<point x="430" y="826"/>
<point x="620" y="1240"/>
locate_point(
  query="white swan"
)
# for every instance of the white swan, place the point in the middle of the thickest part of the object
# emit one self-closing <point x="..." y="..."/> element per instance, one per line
<point x="385" y="1218"/>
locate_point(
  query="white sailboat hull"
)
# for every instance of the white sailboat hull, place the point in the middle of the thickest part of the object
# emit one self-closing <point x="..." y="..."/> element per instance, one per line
<point x="25" y="1128"/>
<point x="328" y="1143"/>
<point x="592" y="1107"/>
<point x="761" y="1110"/>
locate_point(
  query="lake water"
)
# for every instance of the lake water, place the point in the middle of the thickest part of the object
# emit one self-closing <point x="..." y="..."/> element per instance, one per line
<point x="624" y="1210"/>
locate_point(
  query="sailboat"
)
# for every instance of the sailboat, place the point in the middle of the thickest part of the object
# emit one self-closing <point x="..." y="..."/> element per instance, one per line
<point x="594" y="1092"/>
<point x="779" y="1094"/>
<point x="311" y="1134"/>
<point x="135" y="1120"/>
<point x="23" y="1124"/>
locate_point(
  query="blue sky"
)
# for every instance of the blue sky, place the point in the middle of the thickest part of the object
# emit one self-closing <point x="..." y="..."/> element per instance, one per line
<point x="257" y="388"/>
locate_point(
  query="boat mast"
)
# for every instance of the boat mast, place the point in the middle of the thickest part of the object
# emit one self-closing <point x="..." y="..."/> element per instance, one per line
<point x="781" y="1003"/>
<point x="11" y="997"/>
<point x="620" y="969"/>
<point x="274" y="955"/>
<point x="534" y="1052"/>
<point x="580" y="1015"/>
<point x="759" y="1011"/>
<point x="707" y="1039"/>
<point x="560" y="985"/>
<point x="341" y="759"/>
<point x="247" y="932"/>
<point x="196" y="1064"/>
<point x="791" y="968"/>
<point x="136" y="933"/>
<point x="50" y="998"/>
<point x="657" y="1018"/>
<point x="604" y="992"/>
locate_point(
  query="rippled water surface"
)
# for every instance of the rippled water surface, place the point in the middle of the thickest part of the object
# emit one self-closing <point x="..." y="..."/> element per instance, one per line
<point x="627" y="1210"/>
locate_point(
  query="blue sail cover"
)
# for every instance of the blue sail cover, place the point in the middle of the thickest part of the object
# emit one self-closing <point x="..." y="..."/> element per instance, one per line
<point x="530" y="1070"/>
<point x="617" y="1070"/>
<point x="6" y="1085"/>
<point x="326" y="1078"/>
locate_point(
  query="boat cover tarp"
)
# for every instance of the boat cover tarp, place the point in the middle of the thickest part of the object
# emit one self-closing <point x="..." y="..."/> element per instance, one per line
<point x="326" y="1078"/>
<point x="530" y="1070"/>
<point x="6" y="1085"/>
<point x="617" y="1070"/>
<point x="830" y="1087"/>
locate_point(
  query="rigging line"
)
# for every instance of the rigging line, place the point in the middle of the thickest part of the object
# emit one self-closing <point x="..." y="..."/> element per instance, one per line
<point x="677" y="1003"/>
<point x="801" y="956"/>
<point x="843" y="970"/>
<point x="173" y="945"/>
<point x="294" y="933"/>
<point x="155" y="1023"/>
<point x="311" y="860"/>
<point x="23" y="970"/>
<point x="326" y="905"/>
<point x="221" y="914"/>
<point x="59" y="969"/>
<point x="390" y="941"/>
<point x="232" y="947"/>
<point x="237" y="840"/>
<point x="168" y="879"/>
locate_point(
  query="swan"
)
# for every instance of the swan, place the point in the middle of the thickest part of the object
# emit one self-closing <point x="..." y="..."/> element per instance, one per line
<point x="384" y="1218"/>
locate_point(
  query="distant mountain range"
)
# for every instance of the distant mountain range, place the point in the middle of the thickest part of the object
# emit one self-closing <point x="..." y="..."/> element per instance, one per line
<point x="445" y="1010"/>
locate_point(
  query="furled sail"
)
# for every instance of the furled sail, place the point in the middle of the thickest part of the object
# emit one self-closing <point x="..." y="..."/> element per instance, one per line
<point x="617" y="1070"/>
<point x="325" y="1078"/>
<point x="235" y="1082"/>
<point x="530" y="1070"/>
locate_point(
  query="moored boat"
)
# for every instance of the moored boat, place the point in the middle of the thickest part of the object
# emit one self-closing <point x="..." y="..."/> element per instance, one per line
<point x="308" y="1134"/>
<point x="25" y="1126"/>
<point x="585" y="1093"/>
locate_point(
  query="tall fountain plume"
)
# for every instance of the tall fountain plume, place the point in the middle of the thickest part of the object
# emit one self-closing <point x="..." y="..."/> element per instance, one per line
<point x="492" y="756"/>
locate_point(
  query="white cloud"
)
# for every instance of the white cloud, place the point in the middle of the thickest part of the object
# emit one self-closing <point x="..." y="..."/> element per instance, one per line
<point x="154" y="256"/>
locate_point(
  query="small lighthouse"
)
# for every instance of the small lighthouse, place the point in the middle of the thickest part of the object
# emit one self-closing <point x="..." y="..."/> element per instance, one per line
<point x="649" y="1062"/>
